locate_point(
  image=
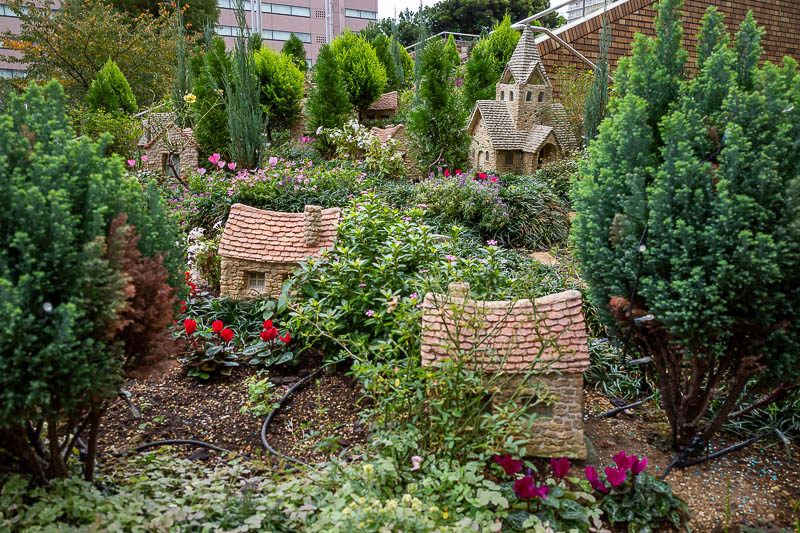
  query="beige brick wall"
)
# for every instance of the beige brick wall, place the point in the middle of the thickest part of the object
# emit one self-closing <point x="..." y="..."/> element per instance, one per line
<point x="478" y="147"/>
<point x="234" y="278"/>
<point x="189" y="157"/>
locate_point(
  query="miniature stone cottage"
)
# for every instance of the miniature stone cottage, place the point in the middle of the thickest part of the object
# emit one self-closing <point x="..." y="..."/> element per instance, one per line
<point x="547" y="336"/>
<point x="522" y="128"/>
<point x="383" y="107"/>
<point x="398" y="134"/>
<point x="169" y="148"/>
<point x="259" y="249"/>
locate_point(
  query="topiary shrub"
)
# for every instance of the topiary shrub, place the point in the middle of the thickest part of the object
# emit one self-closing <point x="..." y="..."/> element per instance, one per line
<point x="687" y="218"/>
<point x="110" y="91"/>
<point x="71" y="297"/>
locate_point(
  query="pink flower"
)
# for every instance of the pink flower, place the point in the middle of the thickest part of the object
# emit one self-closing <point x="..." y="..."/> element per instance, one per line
<point x="638" y="465"/>
<point x="144" y="158"/>
<point x="623" y="461"/>
<point x="491" y="242"/>
<point x="458" y="172"/>
<point x="201" y="171"/>
<point x="446" y="173"/>
<point x="494" y="179"/>
<point x="615" y="476"/>
<point x="413" y="295"/>
<point x="424" y="271"/>
<point x="416" y="462"/>
<point x="273" y="161"/>
<point x="511" y="466"/>
<point x="594" y="479"/>
<point x="221" y="164"/>
<point x="131" y="162"/>
<point x="370" y="312"/>
<point x="362" y="284"/>
<point x="560" y="467"/>
<point x="232" y="166"/>
<point x="451" y="257"/>
<point x="423" y="206"/>
<point x="481" y="175"/>
<point x="214" y="158"/>
<point x="526" y="488"/>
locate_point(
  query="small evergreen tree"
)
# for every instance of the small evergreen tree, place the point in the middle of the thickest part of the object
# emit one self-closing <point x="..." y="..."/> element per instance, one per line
<point x="183" y="80"/>
<point x="502" y="42"/>
<point x="364" y="75"/>
<point x="487" y="61"/>
<point x="209" y="70"/>
<point x="281" y="88"/>
<point x="328" y="104"/>
<point x="451" y="51"/>
<point x="597" y="100"/>
<point x="295" y="49"/>
<point x="688" y="217"/>
<point x="110" y="91"/>
<point x="437" y="123"/>
<point x="390" y="60"/>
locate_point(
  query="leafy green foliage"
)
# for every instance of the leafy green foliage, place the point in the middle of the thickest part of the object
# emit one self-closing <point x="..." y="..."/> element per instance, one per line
<point x="363" y="73"/>
<point x="196" y="15"/>
<point x="281" y="88"/>
<point x="261" y="398"/>
<point x="452" y="52"/>
<point x="705" y="166"/>
<point x="646" y="504"/>
<point x="476" y="16"/>
<point x="110" y="91"/>
<point x="391" y="61"/>
<point x="597" y="101"/>
<point x="295" y="49"/>
<point x="124" y="130"/>
<point x="437" y="123"/>
<point x="328" y="104"/>
<point x="487" y="61"/>
<point x="209" y="70"/>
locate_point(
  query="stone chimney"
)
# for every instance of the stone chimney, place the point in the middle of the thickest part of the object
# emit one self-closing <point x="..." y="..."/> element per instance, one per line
<point x="312" y="224"/>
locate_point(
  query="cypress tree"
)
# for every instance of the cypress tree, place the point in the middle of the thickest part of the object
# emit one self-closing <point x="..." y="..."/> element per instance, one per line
<point x="597" y="99"/>
<point x="451" y="51"/>
<point x="110" y="91"/>
<point x="364" y="75"/>
<point x="281" y="88"/>
<point x="328" y="104"/>
<point x="294" y="48"/>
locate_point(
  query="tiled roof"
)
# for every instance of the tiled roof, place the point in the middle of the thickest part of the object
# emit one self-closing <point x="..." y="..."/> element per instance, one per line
<point x="175" y="135"/>
<point x="272" y="236"/>
<point x="384" y="134"/>
<point x="525" y="58"/>
<point x="387" y="101"/>
<point x="548" y="334"/>
<point x="536" y="138"/>
<point x="560" y="122"/>
<point x="502" y="132"/>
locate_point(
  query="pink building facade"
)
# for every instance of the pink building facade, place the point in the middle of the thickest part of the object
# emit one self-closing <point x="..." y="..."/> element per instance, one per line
<point x="9" y="21"/>
<point x="315" y="22"/>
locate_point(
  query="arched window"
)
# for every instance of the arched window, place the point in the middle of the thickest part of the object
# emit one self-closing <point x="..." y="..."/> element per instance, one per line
<point x="509" y="158"/>
<point x="511" y="95"/>
<point x="502" y="95"/>
<point x="528" y="98"/>
<point x="487" y="156"/>
<point x="541" y="96"/>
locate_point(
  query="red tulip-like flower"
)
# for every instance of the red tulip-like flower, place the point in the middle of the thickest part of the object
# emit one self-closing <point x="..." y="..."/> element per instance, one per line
<point x="446" y="173"/>
<point x="511" y="466"/>
<point x="623" y="461"/>
<point x="615" y="476"/>
<point x="191" y="286"/>
<point x="560" y="467"/>
<point x="183" y="307"/>
<point x="458" y="172"/>
<point x="187" y="276"/>
<point x="594" y="479"/>
<point x="269" y="334"/>
<point x="226" y="334"/>
<point x="217" y="326"/>
<point x="268" y="324"/>
<point x="526" y="488"/>
<point x="190" y="326"/>
<point x="286" y="338"/>
<point x="638" y="465"/>
<point x="482" y="176"/>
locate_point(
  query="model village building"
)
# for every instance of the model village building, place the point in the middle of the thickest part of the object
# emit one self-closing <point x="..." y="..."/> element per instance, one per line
<point x="522" y="128"/>
<point x="259" y="249"/>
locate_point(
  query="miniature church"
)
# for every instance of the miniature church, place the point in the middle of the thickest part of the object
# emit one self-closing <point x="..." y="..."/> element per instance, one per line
<point x="522" y="128"/>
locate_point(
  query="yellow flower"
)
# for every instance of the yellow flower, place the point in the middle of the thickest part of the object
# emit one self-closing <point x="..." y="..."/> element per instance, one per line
<point x="346" y="511"/>
<point x="368" y="470"/>
<point x="445" y="515"/>
<point x="190" y="98"/>
<point x="406" y="499"/>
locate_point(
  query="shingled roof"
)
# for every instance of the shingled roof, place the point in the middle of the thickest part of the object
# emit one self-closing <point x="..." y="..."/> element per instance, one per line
<point x="386" y="102"/>
<point x="389" y="132"/>
<point x="560" y="121"/>
<point x="502" y="131"/>
<point x="526" y="59"/>
<point x="275" y="237"/>
<point x="548" y="334"/>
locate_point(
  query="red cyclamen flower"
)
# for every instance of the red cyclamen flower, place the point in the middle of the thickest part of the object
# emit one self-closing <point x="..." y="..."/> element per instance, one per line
<point x="446" y="173"/>
<point x="560" y="467"/>
<point x="526" y="488"/>
<point x="458" y="172"/>
<point x="511" y="466"/>
<point x="594" y="479"/>
<point x="217" y="326"/>
<point x="269" y="334"/>
<point x="286" y="338"/>
<point x="623" y="461"/>
<point x="187" y="276"/>
<point x="190" y="326"/>
<point x="268" y="324"/>
<point x="226" y="334"/>
<point x="615" y="476"/>
<point x="638" y="465"/>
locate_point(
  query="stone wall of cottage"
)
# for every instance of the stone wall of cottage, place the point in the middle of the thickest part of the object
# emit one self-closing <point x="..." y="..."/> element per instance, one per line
<point x="234" y="278"/>
<point x="481" y="144"/>
<point x="189" y="157"/>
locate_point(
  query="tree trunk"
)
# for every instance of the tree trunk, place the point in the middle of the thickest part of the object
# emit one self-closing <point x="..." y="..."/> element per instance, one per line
<point x="91" y="452"/>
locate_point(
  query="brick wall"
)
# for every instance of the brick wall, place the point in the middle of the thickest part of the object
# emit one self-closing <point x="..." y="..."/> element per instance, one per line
<point x="780" y="19"/>
<point x="234" y="278"/>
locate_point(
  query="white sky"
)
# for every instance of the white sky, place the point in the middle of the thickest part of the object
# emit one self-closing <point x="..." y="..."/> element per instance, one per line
<point x="387" y="8"/>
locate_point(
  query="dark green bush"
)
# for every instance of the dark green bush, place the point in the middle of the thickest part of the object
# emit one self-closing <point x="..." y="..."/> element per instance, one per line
<point x="125" y="130"/>
<point x="110" y="91"/>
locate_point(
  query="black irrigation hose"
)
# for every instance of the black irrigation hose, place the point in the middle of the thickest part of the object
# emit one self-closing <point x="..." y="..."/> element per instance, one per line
<point x="268" y="419"/>
<point x="180" y="441"/>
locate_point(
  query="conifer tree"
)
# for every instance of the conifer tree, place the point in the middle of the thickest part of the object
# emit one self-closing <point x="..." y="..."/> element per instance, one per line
<point x="487" y="61"/>
<point x="281" y="88"/>
<point x="294" y="48"/>
<point x="183" y="79"/>
<point x="451" y="51"/>
<point x="364" y="75"/>
<point x="328" y="104"/>
<point x="110" y="91"/>
<point x="387" y="57"/>
<point x="597" y="99"/>
<point x="688" y="218"/>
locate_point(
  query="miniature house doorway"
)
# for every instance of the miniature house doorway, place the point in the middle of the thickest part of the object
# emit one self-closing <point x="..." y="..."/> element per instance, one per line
<point x="548" y="154"/>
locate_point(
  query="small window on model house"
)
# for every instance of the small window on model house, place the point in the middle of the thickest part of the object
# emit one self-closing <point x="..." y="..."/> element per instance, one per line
<point x="487" y="155"/>
<point x="502" y="95"/>
<point x="255" y="281"/>
<point x="537" y="406"/>
<point x="528" y="97"/>
<point x="510" y="158"/>
<point x="511" y="95"/>
<point x="541" y="96"/>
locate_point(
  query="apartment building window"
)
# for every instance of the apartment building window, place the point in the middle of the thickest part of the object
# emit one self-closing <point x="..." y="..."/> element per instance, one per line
<point x="6" y="73"/>
<point x="227" y="31"/>
<point x="231" y="4"/>
<point x="360" y="14"/>
<point x="278" y="35"/>
<point x="6" y="11"/>
<point x="277" y="9"/>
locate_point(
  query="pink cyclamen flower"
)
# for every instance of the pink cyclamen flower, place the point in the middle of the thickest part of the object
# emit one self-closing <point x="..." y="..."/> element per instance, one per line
<point x="362" y="284"/>
<point x="623" y="461"/>
<point x="201" y="171"/>
<point x="144" y="159"/>
<point x="214" y="158"/>
<point x="446" y="173"/>
<point x="482" y="176"/>
<point x="416" y="462"/>
<point x="131" y="162"/>
<point x="526" y="488"/>
<point x="491" y="242"/>
<point x="615" y="476"/>
<point x="232" y="166"/>
<point x="560" y="467"/>
<point x="639" y="465"/>
<point x="458" y="172"/>
<point x="510" y="465"/>
<point x="594" y="479"/>
<point x="424" y="271"/>
<point x="451" y="257"/>
<point x="221" y="164"/>
<point x="370" y="312"/>
<point x="273" y="161"/>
